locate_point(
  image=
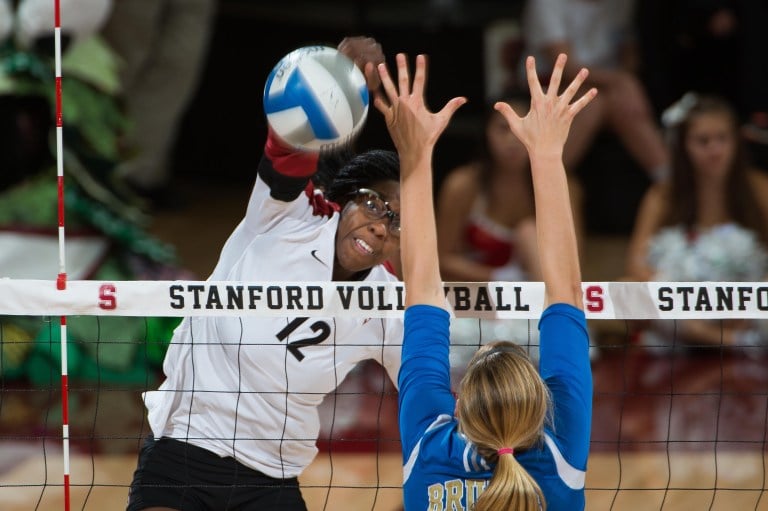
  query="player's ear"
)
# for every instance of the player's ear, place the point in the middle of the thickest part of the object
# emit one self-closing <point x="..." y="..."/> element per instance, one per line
<point x="456" y="409"/>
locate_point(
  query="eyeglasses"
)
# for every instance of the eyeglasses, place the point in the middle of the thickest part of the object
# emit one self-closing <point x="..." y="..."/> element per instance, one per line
<point x="376" y="208"/>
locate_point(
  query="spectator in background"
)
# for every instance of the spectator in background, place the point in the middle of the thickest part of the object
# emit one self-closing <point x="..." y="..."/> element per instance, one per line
<point x="35" y="19"/>
<point x="105" y="232"/>
<point x="709" y="222"/>
<point x="709" y="46"/>
<point x="485" y="211"/>
<point x="486" y="226"/>
<point x="6" y="19"/>
<point x="163" y="44"/>
<point x="599" y="34"/>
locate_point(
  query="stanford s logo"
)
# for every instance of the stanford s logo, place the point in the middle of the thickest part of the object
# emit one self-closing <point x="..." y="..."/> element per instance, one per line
<point x="107" y="297"/>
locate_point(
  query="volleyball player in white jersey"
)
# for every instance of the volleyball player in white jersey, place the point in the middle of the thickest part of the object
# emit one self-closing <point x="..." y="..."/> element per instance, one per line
<point x="492" y="449"/>
<point x="235" y="421"/>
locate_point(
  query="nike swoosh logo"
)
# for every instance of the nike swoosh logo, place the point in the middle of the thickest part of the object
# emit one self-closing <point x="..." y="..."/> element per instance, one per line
<point x="314" y="254"/>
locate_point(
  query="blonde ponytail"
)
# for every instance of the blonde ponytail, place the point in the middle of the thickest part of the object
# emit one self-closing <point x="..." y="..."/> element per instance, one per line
<point x="511" y="488"/>
<point x="503" y="405"/>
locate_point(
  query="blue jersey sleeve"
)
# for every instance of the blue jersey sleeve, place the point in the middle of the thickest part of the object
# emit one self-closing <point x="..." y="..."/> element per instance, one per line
<point x="424" y="379"/>
<point x="565" y="367"/>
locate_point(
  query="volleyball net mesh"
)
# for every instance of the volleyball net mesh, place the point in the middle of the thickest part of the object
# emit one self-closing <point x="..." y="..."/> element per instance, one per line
<point x="680" y="386"/>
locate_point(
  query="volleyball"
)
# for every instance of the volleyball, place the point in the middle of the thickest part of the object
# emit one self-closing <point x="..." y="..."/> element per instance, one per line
<point x="316" y="99"/>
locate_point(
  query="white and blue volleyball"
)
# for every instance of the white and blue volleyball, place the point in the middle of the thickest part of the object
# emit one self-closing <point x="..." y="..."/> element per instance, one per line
<point x="316" y="99"/>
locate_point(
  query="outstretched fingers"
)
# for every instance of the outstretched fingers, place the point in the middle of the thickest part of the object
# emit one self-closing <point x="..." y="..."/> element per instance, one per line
<point x="412" y="126"/>
<point x="420" y="78"/>
<point x="533" y="78"/>
<point x="509" y="114"/>
<point x="557" y="75"/>
<point x="384" y="97"/>
<point x="583" y="101"/>
<point x="403" y="76"/>
<point x="450" y="108"/>
<point x="385" y="101"/>
<point x="570" y="92"/>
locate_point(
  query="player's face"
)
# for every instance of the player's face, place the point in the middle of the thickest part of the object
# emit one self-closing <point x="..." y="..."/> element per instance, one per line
<point x="711" y="143"/>
<point x="368" y="232"/>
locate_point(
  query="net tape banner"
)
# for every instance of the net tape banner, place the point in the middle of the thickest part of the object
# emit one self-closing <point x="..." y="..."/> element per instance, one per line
<point x="492" y="300"/>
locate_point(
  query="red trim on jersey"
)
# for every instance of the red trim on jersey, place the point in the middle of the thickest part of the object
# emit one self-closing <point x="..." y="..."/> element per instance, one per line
<point x="320" y="205"/>
<point x="288" y="161"/>
<point x="487" y="247"/>
<point x="390" y="268"/>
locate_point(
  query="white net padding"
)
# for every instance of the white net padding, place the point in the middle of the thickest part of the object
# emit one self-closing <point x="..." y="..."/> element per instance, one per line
<point x="492" y="300"/>
<point x="676" y="425"/>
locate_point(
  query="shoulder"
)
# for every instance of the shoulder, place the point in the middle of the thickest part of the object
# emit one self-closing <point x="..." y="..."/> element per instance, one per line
<point x="758" y="182"/>
<point x="461" y="186"/>
<point x="656" y="199"/>
<point x="658" y="193"/>
<point x="758" y="179"/>
<point x="464" y="179"/>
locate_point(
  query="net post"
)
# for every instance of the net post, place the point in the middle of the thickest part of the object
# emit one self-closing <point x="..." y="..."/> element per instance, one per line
<point x="61" y="280"/>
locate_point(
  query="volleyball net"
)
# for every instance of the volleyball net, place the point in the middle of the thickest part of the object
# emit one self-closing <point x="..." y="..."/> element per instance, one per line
<point x="680" y="418"/>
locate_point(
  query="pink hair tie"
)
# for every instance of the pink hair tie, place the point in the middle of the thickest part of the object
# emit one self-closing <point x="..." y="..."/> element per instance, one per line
<point x="505" y="450"/>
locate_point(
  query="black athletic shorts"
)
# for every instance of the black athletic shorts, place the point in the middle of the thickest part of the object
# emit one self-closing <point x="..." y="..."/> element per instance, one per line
<point x="182" y="476"/>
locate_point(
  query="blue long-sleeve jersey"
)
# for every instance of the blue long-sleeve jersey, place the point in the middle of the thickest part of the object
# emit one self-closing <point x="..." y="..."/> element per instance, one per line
<point x="442" y="469"/>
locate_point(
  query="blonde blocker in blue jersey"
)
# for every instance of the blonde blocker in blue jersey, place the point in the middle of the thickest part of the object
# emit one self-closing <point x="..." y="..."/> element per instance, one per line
<point x="455" y="449"/>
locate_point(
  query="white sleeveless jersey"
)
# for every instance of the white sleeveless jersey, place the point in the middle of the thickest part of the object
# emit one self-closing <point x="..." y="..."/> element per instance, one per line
<point x="249" y="387"/>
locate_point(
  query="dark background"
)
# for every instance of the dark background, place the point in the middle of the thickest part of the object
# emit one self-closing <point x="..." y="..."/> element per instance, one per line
<point x="224" y="129"/>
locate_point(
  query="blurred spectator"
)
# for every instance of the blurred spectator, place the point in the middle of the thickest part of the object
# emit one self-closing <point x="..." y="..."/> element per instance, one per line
<point x="6" y="20"/>
<point x="106" y="239"/>
<point x="163" y="44"/>
<point x="487" y="229"/>
<point x="35" y="19"/>
<point x="599" y="35"/>
<point x="485" y="215"/>
<point x="712" y="47"/>
<point x="709" y="222"/>
<point x="93" y="118"/>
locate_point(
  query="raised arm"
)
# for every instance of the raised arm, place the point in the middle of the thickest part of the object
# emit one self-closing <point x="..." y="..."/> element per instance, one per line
<point x="414" y="131"/>
<point x="544" y="131"/>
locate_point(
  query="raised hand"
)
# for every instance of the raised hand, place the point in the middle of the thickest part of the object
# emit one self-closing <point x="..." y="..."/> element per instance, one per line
<point x="413" y="127"/>
<point x="366" y="53"/>
<point x="547" y="123"/>
<point x="544" y="131"/>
